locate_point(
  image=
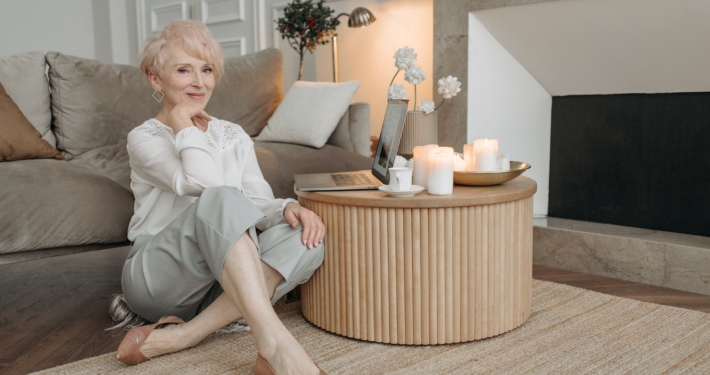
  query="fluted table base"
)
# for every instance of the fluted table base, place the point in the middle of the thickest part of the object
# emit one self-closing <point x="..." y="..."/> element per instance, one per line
<point x="421" y="276"/>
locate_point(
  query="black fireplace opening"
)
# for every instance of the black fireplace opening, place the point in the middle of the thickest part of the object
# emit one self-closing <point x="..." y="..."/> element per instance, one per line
<point x="639" y="160"/>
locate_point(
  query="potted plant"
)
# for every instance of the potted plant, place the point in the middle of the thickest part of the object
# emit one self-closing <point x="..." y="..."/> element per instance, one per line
<point x="306" y="25"/>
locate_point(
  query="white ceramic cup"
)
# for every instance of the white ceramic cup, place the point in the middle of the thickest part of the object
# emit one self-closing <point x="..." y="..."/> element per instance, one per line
<point x="400" y="179"/>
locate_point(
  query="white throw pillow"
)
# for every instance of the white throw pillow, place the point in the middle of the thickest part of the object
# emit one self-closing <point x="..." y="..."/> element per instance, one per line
<point x="309" y="113"/>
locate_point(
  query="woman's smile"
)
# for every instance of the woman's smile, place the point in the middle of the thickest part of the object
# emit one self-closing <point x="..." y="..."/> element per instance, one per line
<point x="196" y="96"/>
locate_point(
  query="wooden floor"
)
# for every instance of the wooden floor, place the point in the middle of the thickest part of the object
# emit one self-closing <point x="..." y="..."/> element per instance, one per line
<point x="53" y="311"/>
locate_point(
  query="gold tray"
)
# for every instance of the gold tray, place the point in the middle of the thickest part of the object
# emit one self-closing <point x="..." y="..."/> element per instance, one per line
<point x="490" y="178"/>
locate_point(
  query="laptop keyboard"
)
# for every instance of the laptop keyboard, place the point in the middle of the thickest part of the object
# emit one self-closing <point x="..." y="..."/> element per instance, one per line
<point x="350" y="179"/>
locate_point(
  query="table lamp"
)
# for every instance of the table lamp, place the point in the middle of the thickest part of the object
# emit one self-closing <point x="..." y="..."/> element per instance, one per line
<point x="359" y="17"/>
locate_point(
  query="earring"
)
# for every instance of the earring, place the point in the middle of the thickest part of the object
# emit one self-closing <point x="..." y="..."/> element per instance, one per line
<point x="158" y="96"/>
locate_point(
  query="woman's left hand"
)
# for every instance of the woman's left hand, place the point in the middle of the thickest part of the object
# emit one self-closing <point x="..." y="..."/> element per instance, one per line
<point x="313" y="228"/>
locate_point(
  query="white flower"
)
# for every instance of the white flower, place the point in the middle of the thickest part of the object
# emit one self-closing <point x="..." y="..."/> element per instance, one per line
<point x="426" y="106"/>
<point x="405" y="58"/>
<point x="396" y="92"/>
<point x="415" y="75"/>
<point x="449" y="87"/>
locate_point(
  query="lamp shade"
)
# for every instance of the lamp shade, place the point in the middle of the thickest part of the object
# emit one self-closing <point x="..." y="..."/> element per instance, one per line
<point x="360" y="17"/>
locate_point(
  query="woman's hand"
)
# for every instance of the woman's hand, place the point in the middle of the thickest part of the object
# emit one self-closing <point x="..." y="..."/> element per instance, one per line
<point x="313" y="228"/>
<point x="185" y="115"/>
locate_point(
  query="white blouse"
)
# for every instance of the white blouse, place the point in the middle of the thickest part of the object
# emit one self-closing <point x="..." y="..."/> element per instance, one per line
<point x="169" y="172"/>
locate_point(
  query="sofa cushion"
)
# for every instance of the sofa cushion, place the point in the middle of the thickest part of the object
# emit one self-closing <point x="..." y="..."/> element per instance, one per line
<point x="20" y="140"/>
<point x="52" y="203"/>
<point x="24" y="80"/>
<point x="353" y="131"/>
<point x="309" y="113"/>
<point x="280" y="161"/>
<point x="249" y="91"/>
<point x="95" y="104"/>
<point x="108" y="161"/>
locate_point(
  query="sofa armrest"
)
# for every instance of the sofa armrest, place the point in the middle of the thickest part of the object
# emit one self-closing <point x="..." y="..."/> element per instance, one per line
<point x="353" y="130"/>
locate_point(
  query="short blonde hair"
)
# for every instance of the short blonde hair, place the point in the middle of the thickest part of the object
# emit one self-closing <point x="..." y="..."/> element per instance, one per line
<point x="192" y="35"/>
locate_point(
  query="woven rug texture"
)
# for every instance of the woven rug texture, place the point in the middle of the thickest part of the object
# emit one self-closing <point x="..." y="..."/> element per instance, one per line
<point x="570" y="331"/>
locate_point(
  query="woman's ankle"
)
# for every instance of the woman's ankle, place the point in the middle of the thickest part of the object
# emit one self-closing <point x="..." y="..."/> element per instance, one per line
<point x="186" y="336"/>
<point x="269" y="344"/>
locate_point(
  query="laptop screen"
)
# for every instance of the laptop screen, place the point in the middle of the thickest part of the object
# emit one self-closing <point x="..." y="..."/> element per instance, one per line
<point x="389" y="139"/>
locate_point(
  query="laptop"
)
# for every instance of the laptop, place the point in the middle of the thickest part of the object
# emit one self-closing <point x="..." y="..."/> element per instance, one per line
<point x="384" y="159"/>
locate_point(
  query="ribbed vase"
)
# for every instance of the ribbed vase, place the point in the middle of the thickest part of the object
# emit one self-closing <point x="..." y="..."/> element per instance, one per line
<point x="419" y="129"/>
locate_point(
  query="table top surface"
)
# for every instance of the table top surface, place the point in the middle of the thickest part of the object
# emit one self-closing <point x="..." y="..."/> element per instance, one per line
<point x="519" y="188"/>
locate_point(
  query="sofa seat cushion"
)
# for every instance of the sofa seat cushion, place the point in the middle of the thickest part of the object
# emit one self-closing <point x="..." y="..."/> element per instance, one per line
<point x="53" y="203"/>
<point x="108" y="161"/>
<point x="280" y="161"/>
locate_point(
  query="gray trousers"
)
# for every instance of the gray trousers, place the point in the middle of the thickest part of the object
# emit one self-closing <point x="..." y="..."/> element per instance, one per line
<point x="179" y="270"/>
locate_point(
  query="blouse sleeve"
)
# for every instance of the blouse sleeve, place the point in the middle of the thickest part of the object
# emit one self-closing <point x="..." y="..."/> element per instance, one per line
<point x="259" y="191"/>
<point x="186" y="168"/>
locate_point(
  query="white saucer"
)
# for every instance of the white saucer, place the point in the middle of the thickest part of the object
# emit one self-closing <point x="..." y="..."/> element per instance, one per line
<point x="401" y="194"/>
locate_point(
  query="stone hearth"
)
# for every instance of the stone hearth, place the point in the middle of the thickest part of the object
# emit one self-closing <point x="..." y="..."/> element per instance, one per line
<point x="671" y="260"/>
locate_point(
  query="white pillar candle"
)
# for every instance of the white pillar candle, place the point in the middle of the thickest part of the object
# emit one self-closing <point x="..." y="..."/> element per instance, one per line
<point x="503" y="162"/>
<point x="485" y="153"/>
<point x="421" y="171"/>
<point x="468" y="156"/>
<point x="459" y="163"/>
<point x="441" y="171"/>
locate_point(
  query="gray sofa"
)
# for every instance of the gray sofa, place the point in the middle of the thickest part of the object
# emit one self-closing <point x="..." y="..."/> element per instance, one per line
<point x="86" y="108"/>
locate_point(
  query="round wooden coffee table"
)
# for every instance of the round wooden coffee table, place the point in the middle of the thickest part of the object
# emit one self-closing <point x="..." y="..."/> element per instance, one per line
<point x="424" y="269"/>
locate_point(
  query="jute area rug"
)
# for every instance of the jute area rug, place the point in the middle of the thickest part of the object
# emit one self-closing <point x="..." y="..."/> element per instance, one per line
<point x="571" y="331"/>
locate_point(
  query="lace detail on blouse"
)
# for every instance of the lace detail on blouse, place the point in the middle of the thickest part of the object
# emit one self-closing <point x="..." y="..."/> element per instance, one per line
<point x="155" y="128"/>
<point x="220" y="135"/>
<point x="223" y="134"/>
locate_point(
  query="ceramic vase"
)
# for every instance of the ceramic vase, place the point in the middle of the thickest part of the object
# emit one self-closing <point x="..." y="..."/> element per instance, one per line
<point x="419" y="129"/>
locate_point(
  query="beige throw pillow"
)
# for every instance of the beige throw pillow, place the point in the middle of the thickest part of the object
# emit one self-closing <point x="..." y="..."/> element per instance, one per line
<point x="309" y="113"/>
<point x="19" y="140"/>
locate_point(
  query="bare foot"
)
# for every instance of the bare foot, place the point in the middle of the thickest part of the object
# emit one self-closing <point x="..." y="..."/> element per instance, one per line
<point x="286" y="357"/>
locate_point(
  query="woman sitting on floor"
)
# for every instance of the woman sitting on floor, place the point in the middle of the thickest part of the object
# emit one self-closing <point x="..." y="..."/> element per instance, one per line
<point x="200" y="198"/>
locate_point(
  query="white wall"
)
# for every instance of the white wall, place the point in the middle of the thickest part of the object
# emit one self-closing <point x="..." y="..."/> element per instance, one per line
<point x="123" y="31"/>
<point x="46" y="25"/>
<point x="507" y="103"/>
<point x="583" y="47"/>
<point x="366" y="53"/>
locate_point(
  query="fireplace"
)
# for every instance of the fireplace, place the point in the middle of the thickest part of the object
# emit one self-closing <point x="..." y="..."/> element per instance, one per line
<point x="638" y="160"/>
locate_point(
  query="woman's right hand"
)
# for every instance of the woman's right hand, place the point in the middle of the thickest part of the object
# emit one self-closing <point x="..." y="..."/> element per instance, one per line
<point x="185" y="115"/>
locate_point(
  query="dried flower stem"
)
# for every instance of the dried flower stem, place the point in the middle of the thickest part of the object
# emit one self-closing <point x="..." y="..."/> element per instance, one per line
<point x="395" y="76"/>
<point x="415" y="97"/>
<point x="437" y="107"/>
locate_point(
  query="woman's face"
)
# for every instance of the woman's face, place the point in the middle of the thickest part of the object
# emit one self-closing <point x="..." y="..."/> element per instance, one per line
<point x="185" y="79"/>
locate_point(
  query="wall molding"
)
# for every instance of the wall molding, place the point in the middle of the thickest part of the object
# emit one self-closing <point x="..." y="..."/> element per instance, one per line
<point x="207" y="20"/>
<point x="258" y="14"/>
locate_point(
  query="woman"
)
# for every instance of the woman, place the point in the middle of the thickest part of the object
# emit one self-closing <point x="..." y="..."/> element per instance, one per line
<point x="200" y="197"/>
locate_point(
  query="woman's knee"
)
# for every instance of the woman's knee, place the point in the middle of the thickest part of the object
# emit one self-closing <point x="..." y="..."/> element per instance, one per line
<point x="310" y="260"/>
